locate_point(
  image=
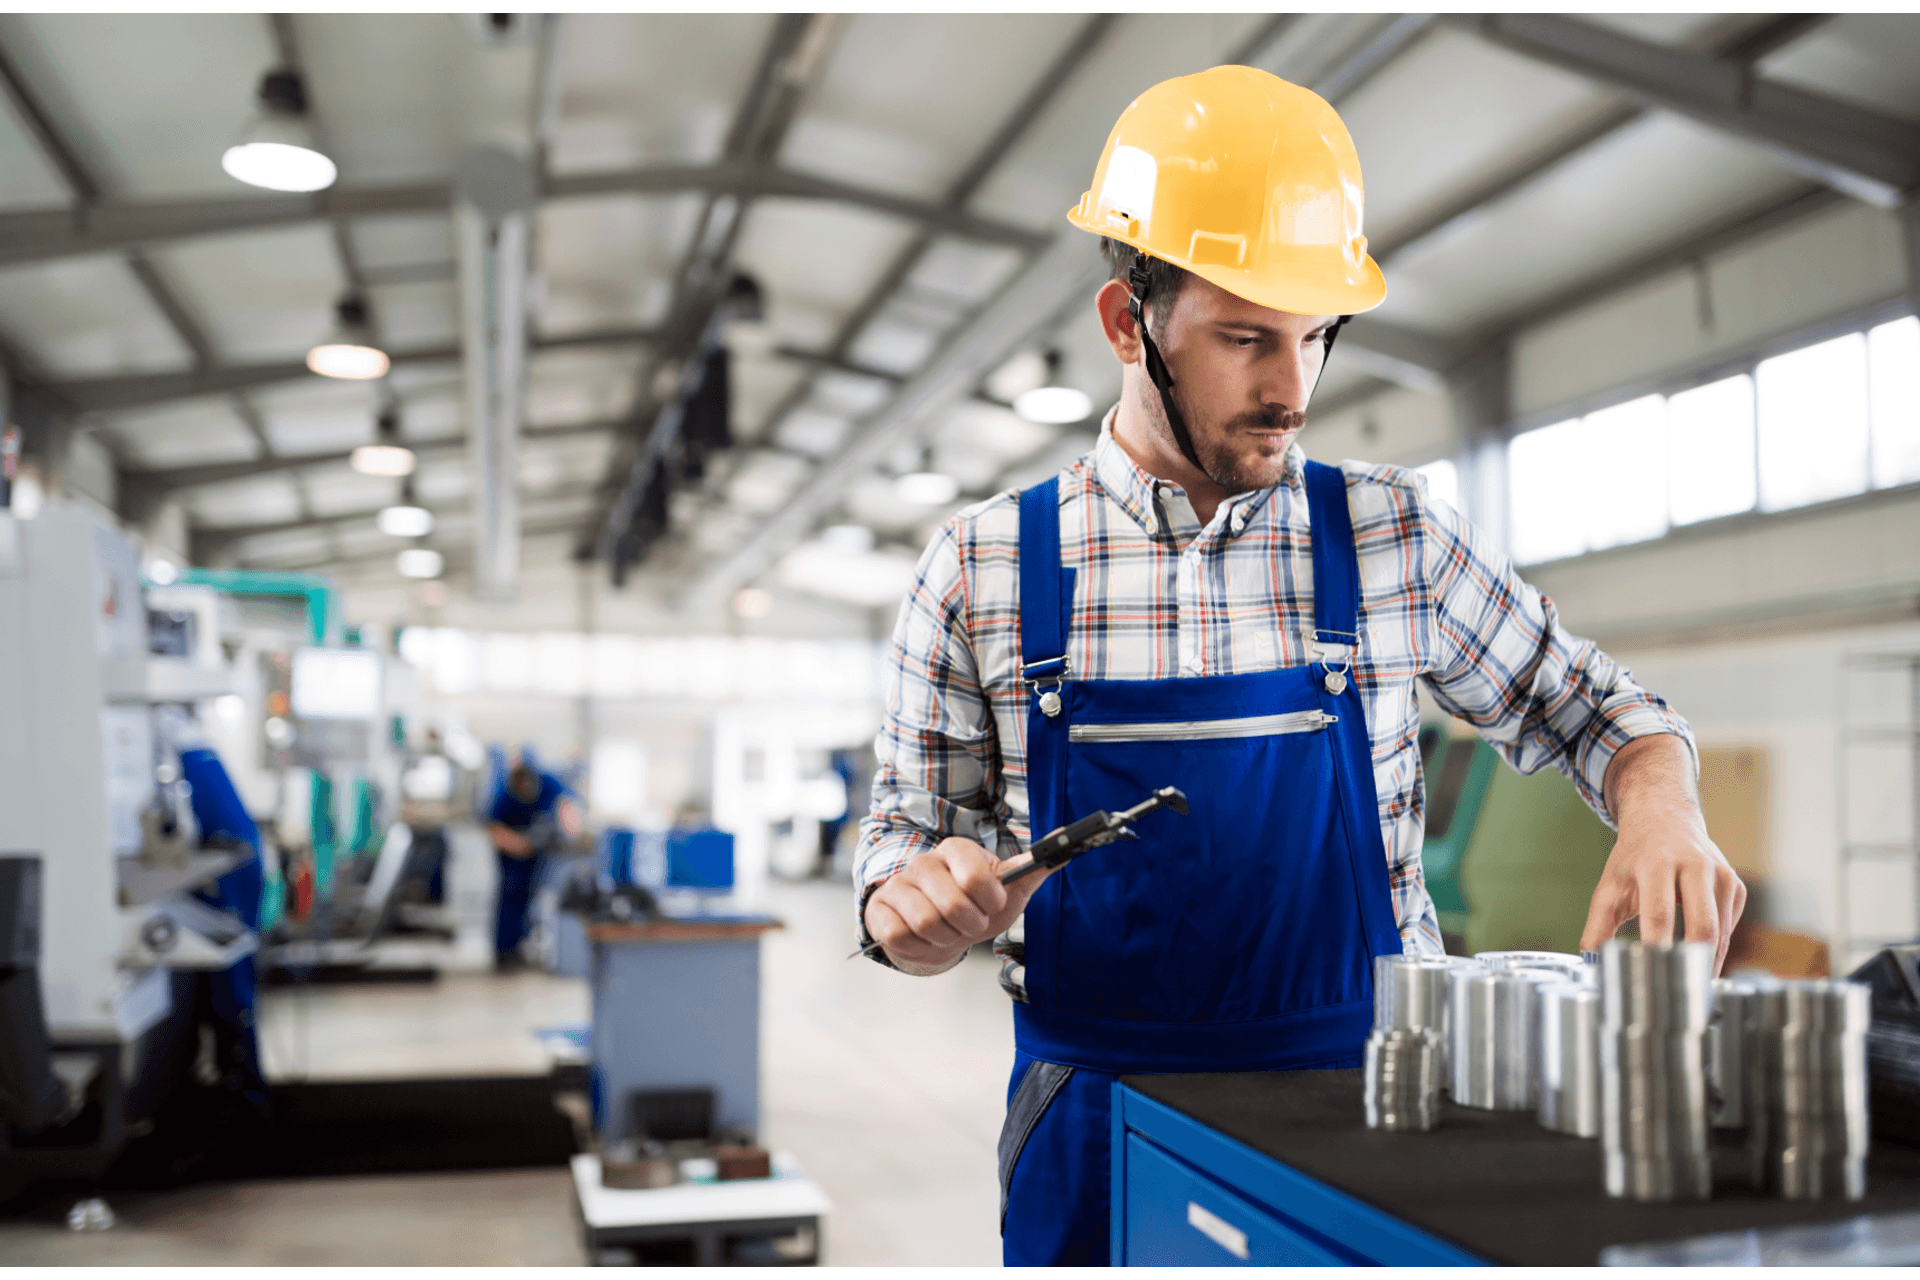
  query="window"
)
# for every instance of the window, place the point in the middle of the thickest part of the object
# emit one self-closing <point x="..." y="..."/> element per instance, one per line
<point x="1893" y="375"/>
<point x="1549" y="502"/>
<point x="1620" y="471"/>
<point x="1812" y="407"/>
<point x="1443" y="482"/>
<point x="1827" y="421"/>
<point x="1710" y="450"/>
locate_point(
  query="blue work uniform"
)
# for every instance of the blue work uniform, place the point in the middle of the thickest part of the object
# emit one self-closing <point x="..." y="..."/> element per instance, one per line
<point x="1238" y="938"/>
<point x="518" y="876"/>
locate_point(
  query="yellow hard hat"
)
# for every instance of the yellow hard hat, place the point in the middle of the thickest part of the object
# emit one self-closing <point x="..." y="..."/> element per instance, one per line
<point x="1245" y="180"/>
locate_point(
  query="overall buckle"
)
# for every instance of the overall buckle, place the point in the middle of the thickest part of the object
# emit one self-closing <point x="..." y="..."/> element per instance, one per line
<point x="1045" y="678"/>
<point x="1336" y="681"/>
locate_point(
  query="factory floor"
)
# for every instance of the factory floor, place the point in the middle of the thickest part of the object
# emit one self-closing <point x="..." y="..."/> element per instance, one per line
<point x="888" y="1090"/>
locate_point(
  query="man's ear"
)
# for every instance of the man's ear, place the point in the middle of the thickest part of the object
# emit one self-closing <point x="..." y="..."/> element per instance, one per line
<point x="1123" y="332"/>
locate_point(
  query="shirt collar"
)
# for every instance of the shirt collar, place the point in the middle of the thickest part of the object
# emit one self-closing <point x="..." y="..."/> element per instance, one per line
<point x="1133" y="488"/>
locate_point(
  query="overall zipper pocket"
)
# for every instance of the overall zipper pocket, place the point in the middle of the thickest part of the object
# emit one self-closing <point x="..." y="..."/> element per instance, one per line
<point x="1186" y="730"/>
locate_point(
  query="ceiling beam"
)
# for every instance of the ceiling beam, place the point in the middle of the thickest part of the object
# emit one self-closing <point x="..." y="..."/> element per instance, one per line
<point x="456" y="549"/>
<point x="143" y="390"/>
<point x="1400" y="354"/>
<point x="171" y="480"/>
<point x="1375" y="53"/>
<point x="1743" y="49"/>
<point x="39" y="235"/>
<point x="87" y="193"/>
<point x="211" y="542"/>
<point x="1067" y="273"/>
<point x="794" y="58"/>
<point x="1014" y="126"/>
<point x="1864" y="154"/>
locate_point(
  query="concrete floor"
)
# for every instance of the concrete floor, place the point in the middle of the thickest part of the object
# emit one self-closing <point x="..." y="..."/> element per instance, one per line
<point x="889" y="1090"/>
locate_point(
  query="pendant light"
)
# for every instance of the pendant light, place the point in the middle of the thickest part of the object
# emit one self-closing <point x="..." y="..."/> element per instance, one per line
<point x="348" y="351"/>
<point x="420" y="562"/>
<point x="406" y="518"/>
<point x="386" y="456"/>
<point x="926" y="487"/>
<point x="276" y="150"/>
<point x="1054" y="404"/>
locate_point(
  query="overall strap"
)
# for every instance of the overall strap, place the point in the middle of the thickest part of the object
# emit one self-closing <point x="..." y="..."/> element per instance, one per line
<point x="1043" y="641"/>
<point x="1336" y="562"/>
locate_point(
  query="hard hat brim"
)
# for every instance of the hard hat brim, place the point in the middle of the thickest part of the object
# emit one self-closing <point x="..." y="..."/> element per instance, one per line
<point x="1300" y="288"/>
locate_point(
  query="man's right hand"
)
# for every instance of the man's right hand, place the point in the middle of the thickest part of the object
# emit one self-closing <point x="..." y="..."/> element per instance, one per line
<point x="944" y="901"/>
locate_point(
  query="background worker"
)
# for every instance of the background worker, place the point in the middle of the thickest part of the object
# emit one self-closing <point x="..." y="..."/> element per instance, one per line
<point x="529" y="816"/>
<point x="1195" y="604"/>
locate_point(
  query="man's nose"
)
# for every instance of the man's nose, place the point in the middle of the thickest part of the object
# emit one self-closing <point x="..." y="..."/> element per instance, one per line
<point x="1287" y="383"/>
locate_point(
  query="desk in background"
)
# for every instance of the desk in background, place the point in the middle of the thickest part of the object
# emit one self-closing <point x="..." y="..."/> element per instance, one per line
<point x="676" y="1004"/>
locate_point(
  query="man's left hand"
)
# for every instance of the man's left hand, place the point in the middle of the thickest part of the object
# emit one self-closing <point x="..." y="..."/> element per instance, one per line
<point x="1663" y="854"/>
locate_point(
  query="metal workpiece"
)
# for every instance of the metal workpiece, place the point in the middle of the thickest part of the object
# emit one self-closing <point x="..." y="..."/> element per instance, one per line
<point x="1806" y="1099"/>
<point x="1531" y="960"/>
<point x="1728" y="1035"/>
<point x="1656" y="1003"/>
<point x="1569" y="1059"/>
<point x="1495" y="1017"/>
<point x="1657" y="984"/>
<point x="1410" y="992"/>
<point x="1402" y="1079"/>
<point x="1653" y="1114"/>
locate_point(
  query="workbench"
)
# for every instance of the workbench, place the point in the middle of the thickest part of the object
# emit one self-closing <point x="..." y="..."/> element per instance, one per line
<point x="727" y="1223"/>
<point x="1279" y="1168"/>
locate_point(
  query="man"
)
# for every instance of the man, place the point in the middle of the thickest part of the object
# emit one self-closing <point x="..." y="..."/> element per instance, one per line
<point x="529" y="813"/>
<point x="1195" y="604"/>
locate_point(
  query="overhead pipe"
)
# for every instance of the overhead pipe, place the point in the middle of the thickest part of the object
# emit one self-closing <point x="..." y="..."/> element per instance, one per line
<point x="494" y="198"/>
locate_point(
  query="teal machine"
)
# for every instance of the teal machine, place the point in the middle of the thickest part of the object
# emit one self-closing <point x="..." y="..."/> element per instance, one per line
<point x="1511" y="861"/>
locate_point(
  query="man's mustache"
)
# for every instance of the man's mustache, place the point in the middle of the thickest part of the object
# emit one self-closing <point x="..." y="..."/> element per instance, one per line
<point x="1270" y="420"/>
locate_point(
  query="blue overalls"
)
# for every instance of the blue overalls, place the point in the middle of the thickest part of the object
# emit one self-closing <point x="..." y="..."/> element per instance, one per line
<point x="1239" y="938"/>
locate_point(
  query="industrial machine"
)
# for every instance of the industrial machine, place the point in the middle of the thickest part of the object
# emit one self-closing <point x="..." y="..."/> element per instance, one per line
<point x="132" y="879"/>
<point x="1511" y="860"/>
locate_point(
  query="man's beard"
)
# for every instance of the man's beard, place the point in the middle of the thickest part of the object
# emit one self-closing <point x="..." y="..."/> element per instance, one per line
<point x="1218" y="458"/>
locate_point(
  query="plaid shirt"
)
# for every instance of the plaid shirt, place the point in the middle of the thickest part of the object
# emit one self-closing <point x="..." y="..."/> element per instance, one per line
<point x="1157" y="597"/>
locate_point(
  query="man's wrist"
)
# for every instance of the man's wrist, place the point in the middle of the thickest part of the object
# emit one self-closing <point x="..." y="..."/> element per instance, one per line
<point x="1650" y="782"/>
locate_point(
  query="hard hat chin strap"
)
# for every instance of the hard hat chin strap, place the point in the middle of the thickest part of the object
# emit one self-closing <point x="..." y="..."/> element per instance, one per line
<point x="1140" y="281"/>
<point x="1156" y="367"/>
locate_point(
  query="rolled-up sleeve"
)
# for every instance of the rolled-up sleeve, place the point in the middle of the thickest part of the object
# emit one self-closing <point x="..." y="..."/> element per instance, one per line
<point x="937" y="755"/>
<point x="1503" y="663"/>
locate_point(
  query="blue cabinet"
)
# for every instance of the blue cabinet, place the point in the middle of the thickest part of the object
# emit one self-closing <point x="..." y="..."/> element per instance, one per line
<point x="1187" y="1195"/>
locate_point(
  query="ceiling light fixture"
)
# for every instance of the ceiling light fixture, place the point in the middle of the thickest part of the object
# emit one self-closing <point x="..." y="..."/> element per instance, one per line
<point x="387" y="456"/>
<point x="1054" y="404"/>
<point x="848" y="539"/>
<point x="348" y="351"/>
<point x="406" y="518"/>
<point x="276" y="150"/>
<point x="926" y="488"/>
<point x="420" y="562"/>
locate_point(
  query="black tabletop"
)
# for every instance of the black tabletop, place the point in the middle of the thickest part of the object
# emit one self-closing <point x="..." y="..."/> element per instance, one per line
<point x="1493" y="1182"/>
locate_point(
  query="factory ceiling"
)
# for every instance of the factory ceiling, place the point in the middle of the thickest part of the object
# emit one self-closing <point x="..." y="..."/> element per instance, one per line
<point x="894" y="183"/>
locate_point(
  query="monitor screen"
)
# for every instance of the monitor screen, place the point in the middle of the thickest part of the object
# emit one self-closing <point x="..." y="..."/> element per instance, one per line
<point x="336" y="684"/>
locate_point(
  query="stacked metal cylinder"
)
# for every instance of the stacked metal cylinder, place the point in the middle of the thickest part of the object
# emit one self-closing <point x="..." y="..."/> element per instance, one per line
<point x="1645" y="1050"/>
<point x="1657" y="999"/>
<point x="1495" y="1026"/>
<point x="1569" y="1063"/>
<point x="1806" y="1088"/>
<point x="1407" y="1052"/>
<point x="1402" y="1079"/>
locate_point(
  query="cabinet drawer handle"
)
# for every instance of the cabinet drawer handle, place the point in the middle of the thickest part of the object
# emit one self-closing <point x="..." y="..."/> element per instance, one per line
<point x="1218" y="1230"/>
